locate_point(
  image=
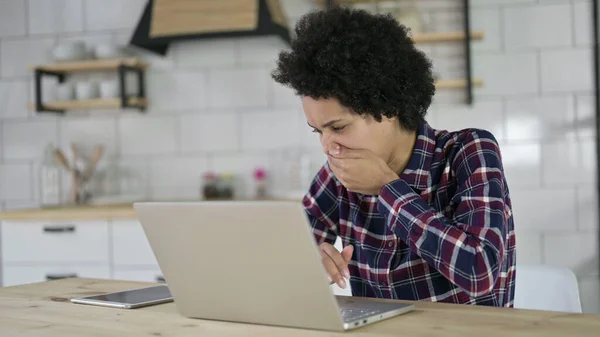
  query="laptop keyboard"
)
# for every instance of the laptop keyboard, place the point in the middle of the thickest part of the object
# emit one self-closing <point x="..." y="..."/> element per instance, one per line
<point x="352" y="314"/>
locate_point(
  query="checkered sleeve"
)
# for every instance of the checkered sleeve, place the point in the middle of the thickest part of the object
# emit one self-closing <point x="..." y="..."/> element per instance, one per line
<point x="321" y="205"/>
<point x="468" y="248"/>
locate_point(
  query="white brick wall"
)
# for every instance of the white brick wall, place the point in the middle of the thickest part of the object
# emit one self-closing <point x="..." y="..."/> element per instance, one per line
<point x="537" y="99"/>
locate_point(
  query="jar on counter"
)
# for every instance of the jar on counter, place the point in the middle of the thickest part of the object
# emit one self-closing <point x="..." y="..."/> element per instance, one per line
<point x="210" y="188"/>
<point x="225" y="186"/>
<point x="260" y="177"/>
<point x="50" y="179"/>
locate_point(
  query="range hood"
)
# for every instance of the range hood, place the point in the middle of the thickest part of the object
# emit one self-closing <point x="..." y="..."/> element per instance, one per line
<point x="165" y="21"/>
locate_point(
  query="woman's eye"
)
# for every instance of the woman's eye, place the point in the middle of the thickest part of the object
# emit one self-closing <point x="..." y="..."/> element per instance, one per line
<point x="338" y="128"/>
<point x="316" y="131"/>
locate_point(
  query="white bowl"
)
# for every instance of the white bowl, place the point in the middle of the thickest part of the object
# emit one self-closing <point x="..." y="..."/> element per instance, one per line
<point x="108" y="51"/>
<point x="87" y="90"/>
<point x="64" y="91"/>
<point x="109" y="89"/>
<point x="69" y="51"/>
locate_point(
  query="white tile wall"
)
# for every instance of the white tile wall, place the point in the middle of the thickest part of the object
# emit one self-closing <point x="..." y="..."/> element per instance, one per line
<point x="205" y="53"/>
<point x="112" y="14"/>
<point x="558" y="204"/>
<point x="26" y="140"/>
<point x="531" y="251"/>
<point x="57" y="16"/>
<point x="582" y="18"/>
<point x="269" y="130"/>
<point x="215" y="107"/>
<point x="146" y="135"/>
<point x="12" y="18"/>
<point x="13" y="98"/>
<point x="587" y="208"/>
<point x="488" y="21"/>
<point x="567" y="70"/>
<point x="564" y="156"/>
<point x="585" y="116"/>
<point x="507" y="74"/>
<point x="522" y="163"/>
<point x="577" y="251"/>
<point x="260" y="50"/>
<point x="500" y="2"/>
<point x="537" y="26"/>
<point x="282" y="96"/>
<point x="483" y="114"/>
<point x="211" y="132"/>
<point x="18" y="55"/>
<point x="533" y="118"/>
<point x="178" y="172"/>
<point x="238" y="88"/>
<point x="15" y="182"/>
<point x="177" y="89"/>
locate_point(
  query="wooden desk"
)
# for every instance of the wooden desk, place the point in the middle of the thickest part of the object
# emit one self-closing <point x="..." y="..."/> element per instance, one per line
<point x="43" y="309"/>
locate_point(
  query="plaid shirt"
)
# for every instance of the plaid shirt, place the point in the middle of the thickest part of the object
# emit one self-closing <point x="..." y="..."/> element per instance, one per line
<point x="442" y="232"/>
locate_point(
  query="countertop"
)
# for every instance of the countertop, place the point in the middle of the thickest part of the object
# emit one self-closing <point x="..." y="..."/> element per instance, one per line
<point x="89" y="212"/>
<point x="71" y="213"/>
<point x="43" y="309"/>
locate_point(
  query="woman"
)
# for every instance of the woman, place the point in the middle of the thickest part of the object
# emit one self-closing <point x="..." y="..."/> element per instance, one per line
<point x="423" y="214"/>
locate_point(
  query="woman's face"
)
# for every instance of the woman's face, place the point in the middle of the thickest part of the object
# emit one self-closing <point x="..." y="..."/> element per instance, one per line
<point x="336" y="124"/>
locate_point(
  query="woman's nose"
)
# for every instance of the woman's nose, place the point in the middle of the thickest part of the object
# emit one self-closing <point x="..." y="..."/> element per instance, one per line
<point x="325" y="142"/>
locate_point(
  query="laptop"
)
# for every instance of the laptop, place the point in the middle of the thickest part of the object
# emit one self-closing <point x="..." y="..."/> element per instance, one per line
<point x="251" y="262"/>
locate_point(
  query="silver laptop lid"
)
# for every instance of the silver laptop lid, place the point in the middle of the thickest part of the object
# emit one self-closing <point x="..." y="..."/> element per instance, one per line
<point x="254" y="262"/>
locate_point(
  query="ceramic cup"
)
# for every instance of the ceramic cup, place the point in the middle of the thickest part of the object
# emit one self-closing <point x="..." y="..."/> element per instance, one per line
<point x="87" y="90"/>
<point x="108" y="51"/>
<point x="69" y="51"/>
<point x="109" y="89"/>
<point x="64" y="91"/>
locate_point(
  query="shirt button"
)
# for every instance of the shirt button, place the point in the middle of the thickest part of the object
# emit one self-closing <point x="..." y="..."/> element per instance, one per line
<point x="390" y="244"/>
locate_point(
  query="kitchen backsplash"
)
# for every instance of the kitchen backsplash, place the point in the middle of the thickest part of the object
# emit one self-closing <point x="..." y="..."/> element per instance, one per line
<point x="214" y="107"/>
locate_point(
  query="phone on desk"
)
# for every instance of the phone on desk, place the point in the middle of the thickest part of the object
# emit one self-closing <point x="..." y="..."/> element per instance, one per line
<point x="129" y="299"/>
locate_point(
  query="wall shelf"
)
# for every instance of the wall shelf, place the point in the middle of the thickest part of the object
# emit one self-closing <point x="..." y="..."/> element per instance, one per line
<point x="60" y="70"/>
<point x="446" y="37"/>
<point x="457" y="84"/>
<point x="100" y="103"/>
<point x="91" y="65"/>
<point x="464" y="37"/>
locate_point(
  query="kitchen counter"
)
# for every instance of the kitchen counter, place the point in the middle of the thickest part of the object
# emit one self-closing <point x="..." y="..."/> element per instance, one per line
<point x="83" y="212"/>
<point x="43" y="309"/>
<point x="71" y="213"/>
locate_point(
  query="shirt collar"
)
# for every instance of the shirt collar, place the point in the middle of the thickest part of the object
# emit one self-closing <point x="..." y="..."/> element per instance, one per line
<point x="416" y="173"/>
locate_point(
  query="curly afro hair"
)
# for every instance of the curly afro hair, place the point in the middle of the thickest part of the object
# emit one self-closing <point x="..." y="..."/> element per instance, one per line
<point x="368" y="62"/>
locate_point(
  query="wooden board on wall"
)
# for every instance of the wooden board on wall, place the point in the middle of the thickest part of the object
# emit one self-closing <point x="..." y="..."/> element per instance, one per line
<point x="182" y="17"/>
<point x="277" y="12"/>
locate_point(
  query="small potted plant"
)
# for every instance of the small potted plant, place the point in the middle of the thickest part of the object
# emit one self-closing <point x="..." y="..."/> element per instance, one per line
<point x="260" y="177"/>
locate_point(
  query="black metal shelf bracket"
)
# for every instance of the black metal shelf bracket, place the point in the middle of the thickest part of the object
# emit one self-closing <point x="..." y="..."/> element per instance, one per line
<point x="141" y="94"/>
<point x="466" y="46"/>
<point x="467" y="51"/>
<point x="39" y="74"/>
<point x="596" y="55"/>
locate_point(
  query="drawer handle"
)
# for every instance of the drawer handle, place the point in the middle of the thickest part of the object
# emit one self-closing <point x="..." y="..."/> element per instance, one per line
<point x="50" y="277"/>
<point x="59" y="229"/>
<point x="160" y="278"/>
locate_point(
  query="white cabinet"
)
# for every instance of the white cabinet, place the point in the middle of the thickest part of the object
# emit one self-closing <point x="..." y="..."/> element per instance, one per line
<point x="15" y="275"/>
<point x="142" y="275"/>
<point x="130" y="247"/>
<point x="55" y="242"/>
<point x="133" y="259"/>
<point x="37" y="251"/>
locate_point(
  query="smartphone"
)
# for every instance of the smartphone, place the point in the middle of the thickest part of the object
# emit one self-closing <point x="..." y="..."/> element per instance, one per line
<point x="129" y="299"/>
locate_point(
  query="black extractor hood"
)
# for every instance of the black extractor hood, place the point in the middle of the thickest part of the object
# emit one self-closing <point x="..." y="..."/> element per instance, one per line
<point x="165" y="21"/>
